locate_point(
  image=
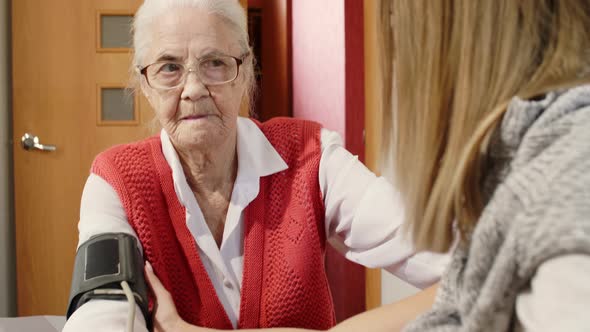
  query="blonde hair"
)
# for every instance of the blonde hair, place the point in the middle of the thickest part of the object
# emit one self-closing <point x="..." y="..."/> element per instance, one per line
<point x="450" y="69"/>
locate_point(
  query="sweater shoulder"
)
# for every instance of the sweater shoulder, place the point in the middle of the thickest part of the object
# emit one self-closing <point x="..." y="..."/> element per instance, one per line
<point x="559" y="165"/>
<point x="122" y="157"/>
<point x="126" y="149"/>
<point x="293" y="139"/>
<point x="286" y="126"/>
<point x="554" y="191"/>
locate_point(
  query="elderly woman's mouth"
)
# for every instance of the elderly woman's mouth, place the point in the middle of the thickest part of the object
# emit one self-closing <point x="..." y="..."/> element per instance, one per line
<point x="195" y="117"/>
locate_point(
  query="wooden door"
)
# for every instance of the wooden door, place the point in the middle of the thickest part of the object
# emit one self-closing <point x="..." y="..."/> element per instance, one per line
<point x="62" y="69"/>
<point x="58" y="74"/>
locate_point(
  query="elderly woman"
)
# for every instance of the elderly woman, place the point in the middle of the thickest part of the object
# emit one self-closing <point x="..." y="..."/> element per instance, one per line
<point x="233" y="214"/>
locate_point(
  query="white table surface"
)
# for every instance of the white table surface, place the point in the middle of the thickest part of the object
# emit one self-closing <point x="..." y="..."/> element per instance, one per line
<point x="32" y="324"/>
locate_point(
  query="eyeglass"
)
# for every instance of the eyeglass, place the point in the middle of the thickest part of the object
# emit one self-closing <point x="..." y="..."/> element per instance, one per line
<point x="211" y="70"/>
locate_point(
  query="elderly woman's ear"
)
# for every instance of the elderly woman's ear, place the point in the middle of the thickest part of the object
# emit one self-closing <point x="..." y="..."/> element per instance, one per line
<point x="145" y="89"/>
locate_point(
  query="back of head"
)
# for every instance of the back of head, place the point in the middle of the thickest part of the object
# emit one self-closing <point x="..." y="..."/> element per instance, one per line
<point x="457" y="64"/>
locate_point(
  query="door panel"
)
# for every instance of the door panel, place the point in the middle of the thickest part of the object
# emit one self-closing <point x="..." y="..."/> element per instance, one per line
<point x="56" y="70"/>
<point x="58" y="67"/>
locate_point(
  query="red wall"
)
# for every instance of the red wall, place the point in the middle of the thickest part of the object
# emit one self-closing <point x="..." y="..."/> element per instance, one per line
<point x="319" y="62"/>
<point x="328" y="87"/>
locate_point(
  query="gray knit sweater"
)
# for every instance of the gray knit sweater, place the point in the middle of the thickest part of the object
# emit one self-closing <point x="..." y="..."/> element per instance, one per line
<point x="538" y="186"/>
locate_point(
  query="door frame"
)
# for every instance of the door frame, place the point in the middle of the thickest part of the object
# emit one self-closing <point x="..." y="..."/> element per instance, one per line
<point x="7" y="245"/>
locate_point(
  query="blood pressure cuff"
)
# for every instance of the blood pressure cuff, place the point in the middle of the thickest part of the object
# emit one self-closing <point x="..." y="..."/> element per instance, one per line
<point x="102" y="263"/>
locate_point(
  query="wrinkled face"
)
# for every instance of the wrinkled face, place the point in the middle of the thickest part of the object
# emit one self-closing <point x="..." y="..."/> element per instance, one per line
<point x="194" y="114"/>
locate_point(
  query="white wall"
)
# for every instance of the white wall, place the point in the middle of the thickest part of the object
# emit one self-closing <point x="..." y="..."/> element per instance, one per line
<point x="7" y="258"/>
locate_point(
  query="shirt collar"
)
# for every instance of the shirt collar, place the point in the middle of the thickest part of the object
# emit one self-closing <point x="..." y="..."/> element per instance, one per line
<point x="256" y="156"/>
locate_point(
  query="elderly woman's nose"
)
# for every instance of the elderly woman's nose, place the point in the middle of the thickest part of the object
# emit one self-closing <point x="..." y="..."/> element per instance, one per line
<point x="194" y="89"/>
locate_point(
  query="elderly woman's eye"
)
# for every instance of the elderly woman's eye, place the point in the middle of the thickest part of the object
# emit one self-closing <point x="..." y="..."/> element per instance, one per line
<point x="218" y="70"/>
<point x="170" y="67"/>
<point x="214" y="63"/>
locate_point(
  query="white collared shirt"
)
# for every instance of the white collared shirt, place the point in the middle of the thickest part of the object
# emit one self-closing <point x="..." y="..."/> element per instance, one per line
<point x="363" y="219"/>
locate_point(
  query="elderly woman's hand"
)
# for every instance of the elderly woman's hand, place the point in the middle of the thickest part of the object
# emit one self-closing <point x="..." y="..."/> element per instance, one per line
<point x="165" y="316"/>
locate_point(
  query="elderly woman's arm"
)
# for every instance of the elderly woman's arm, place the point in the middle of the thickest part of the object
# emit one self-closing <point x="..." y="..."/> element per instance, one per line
<point x="101" y="212"/>
<point x="388" y="318"/>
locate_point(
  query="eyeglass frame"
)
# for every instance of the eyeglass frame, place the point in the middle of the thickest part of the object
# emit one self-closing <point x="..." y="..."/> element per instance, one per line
<point x="194" y="68"/>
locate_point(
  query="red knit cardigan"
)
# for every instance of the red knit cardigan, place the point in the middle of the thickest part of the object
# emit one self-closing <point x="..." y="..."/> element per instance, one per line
<point x="284" y="281"/>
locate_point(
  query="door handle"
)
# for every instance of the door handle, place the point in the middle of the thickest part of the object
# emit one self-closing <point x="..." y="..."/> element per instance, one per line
<point x="31" y="142"/>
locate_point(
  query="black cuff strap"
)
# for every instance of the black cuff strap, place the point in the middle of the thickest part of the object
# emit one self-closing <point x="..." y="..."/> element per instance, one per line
<point x="101" y="264"/>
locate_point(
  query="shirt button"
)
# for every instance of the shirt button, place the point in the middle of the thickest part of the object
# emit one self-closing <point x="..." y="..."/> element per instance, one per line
<point x="227" y="283"/>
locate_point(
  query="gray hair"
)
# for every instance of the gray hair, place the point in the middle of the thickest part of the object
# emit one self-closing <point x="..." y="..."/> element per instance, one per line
<point x="231" y="12"/>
